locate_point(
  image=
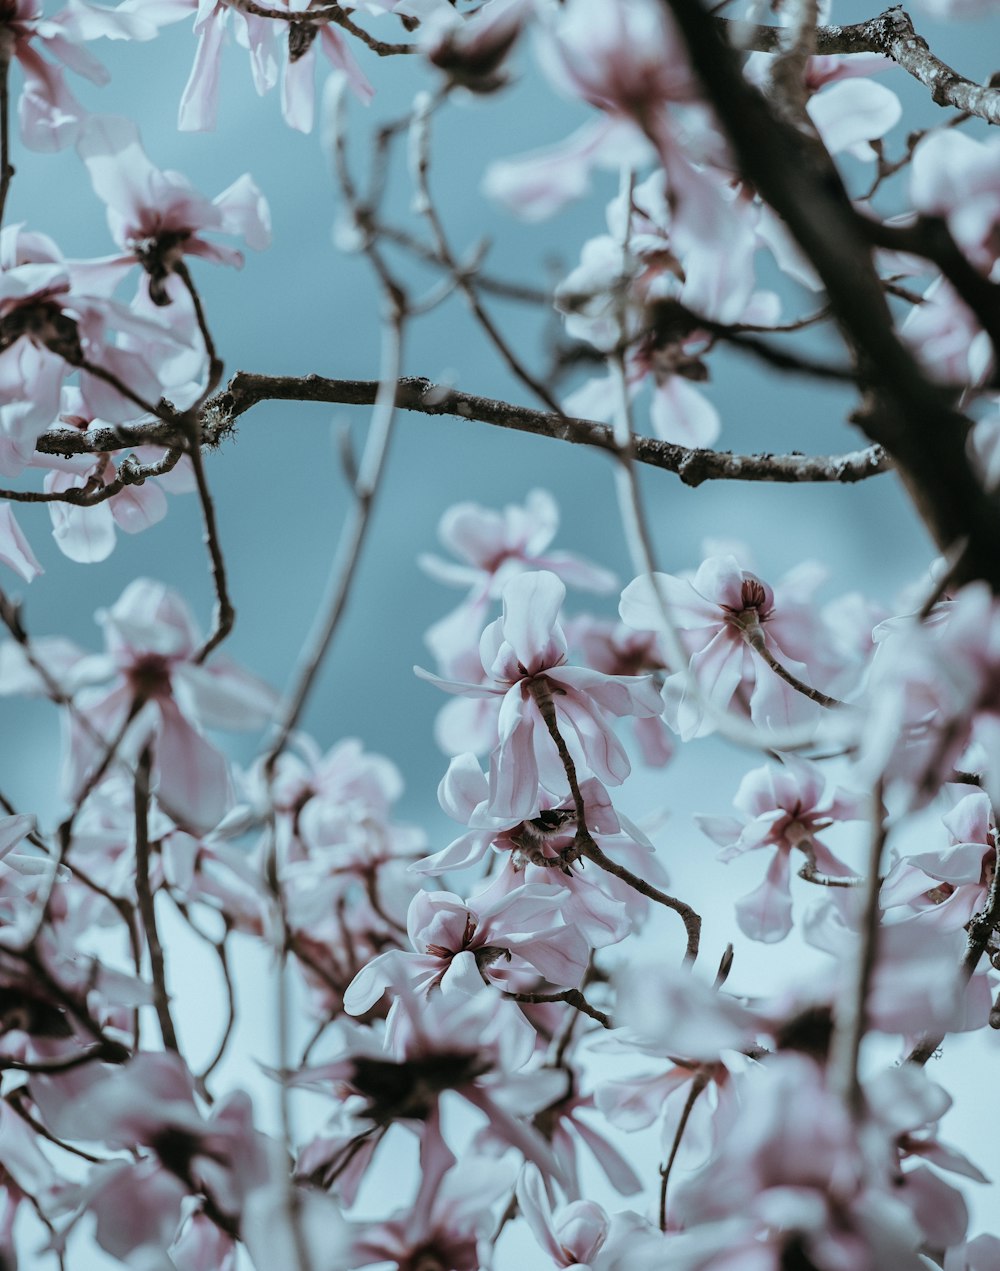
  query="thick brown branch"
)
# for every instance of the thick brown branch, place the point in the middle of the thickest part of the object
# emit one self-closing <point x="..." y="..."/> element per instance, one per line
<point x="891" y="34"/>
<point x="906" y="413"/>
<point x="417" y="394"/>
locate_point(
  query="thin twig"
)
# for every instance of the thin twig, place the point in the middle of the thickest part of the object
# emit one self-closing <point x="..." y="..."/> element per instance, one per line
<point x="465" y="280"/>
<point x="851" y="1022"/>
<point x="572" y="997"/>
<point x="698" y="1084"/>
<point x="224" y="615"/>
<point x="353" y="534"/>
<point x="215" y="365"/>
<point x="147" y="904"/>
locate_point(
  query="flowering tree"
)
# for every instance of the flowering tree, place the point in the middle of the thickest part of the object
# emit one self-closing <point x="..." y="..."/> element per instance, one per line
<point x="481" y="1003"/>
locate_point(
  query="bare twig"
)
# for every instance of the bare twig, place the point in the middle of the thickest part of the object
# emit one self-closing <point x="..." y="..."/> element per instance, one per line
<point x="851" y="1021"/>
<point x="698" y="1084"/>
<point x="323" y="13"/>
<point x="463" y="278"/>
<point x="147" y="904"/>
<point x="225" y="614"/>
<point x="572" y="997"/>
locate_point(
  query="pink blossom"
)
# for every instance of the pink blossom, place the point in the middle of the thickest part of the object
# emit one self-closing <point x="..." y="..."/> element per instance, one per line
<point x="935" y="687"/>
<point x="476" y="1046"/>
<point x="157" y="217"/>
<point x="626" y="59"/>
<point x="462" y="945"/>
<point x="955" y="177"/>
<point x="537" y="185"/>
<point x="524" y="659"/>
<point x="15" y="550"/>
<point x="48" y="328"/>
<point x="153" y="678"/>
<point x="946" y="887"/>
<point x="721" y="613"/>
<point x="785" y="809"/>
<point x="50" y="115"/>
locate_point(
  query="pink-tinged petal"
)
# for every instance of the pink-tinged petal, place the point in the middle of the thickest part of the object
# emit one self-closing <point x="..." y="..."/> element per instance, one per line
<point x="13" y="829"/>
<point x="245" y="213"/>
<point x="200" y="100"/>
<point x="960" y="863"/>
<point x="531" y="605"/>
<point x="903" y="884"/>
<point x="86" y="535"/>
<point x="720" y="579"/>
<point x="468" y="849"/>
<point x="535" y="186"/>
<point x="513" y="766"/>
<point x="49" y="113"/>
<point x="120" y="172"/>
<point x="621" y="695"/>
<point x="718" y="669"/>
<point x="635" y="1103"/>
<point x="466" y="723"/>
<point x="456" y="686"/>
<point x="619" y="1172"/>
<point x="15" y="550"/>
<point x="524" y="1137"/>
<point x="679" y="413"/>
<point x="372" y="980"/>
<point x="463" y="788"/>
<point x="853" y="112"/>
<point x="137" y="1206"/>
<point x="194" y="786"/>
<point x="138" y="507"/>
<point x="150" y="617"/>
<point x="605" y="755"/>
<point x="970" y="819"/>
<point x="766" y="913"/>
<point x="689" y="610"/>
<point x="775" y="704"/>
<point x="939" y="1208"/>
<point x="723" y="830"/>
<point x="223" y="695"/>
<point x="30" y="382"/>
<point x="298" y="92"/>
<point x="339" y="55"/>
<point x="947" y="1158"/>
<point x="534" y="1207"/>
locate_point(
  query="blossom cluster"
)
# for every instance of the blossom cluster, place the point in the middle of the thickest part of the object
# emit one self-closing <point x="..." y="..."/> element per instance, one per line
<point x="526" y="1010"/>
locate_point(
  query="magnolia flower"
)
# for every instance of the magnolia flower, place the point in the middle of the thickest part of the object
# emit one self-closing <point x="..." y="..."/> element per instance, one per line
<point x="955" y="177"/>
<point x="156" y="217"/>
<point x="49" y="113"/>
<point x="153" y="686"/>
<point x="50" y="328"/>
<point x="785" y="809"/>
<point x="523" y="656"/>
<point x="725" y="616"/>
<point x="462" y="945"/>
<point x="945" y="888"/>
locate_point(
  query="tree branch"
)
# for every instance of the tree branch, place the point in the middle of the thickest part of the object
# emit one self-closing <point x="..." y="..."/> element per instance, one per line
<point x="891" y="34"/>
<point x="910" y="416"/>
<point x="413" y="393"/>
